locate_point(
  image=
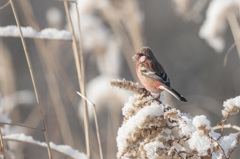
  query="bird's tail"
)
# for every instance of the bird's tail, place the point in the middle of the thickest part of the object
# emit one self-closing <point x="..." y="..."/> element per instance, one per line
<point x="174" y="93"/>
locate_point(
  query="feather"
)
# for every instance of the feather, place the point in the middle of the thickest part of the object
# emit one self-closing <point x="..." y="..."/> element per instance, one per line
<point x="173" y="92"/>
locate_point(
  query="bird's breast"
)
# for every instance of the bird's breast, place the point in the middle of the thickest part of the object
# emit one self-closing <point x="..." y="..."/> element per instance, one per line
<point x="148" y="83"/>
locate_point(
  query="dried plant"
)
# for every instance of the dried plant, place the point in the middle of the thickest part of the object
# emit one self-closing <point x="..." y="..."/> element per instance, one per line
<point x="152" y="129"/>
<point x="215" y="23"/>
<point x="107" y="33"/>
<point x="7" y="82"/>
<point x="33" y="78"/>
<point x="231" y="106"/>
<point x="22" y="32"/>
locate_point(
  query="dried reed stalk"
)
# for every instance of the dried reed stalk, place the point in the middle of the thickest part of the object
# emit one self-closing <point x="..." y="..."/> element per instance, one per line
<point x="7" y="82"/>
<point x="115" y="22"/>
<point x="232" y="20"/>
<point x="228" y="52"/>
<point x="32" y="77"/>
<point x="80" y="72"/>
<point x="20" y="125"/>
<point x="48" y="67"/>
<point x="5" y="5"/>
<point x="96" y="123"/>
<point x="2" y="149"/>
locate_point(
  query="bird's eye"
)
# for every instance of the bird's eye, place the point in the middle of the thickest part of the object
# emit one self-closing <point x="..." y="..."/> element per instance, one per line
<point x="140" y="54"/>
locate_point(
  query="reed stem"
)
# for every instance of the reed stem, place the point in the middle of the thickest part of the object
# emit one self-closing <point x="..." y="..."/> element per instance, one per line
<point x="32" y="77"/>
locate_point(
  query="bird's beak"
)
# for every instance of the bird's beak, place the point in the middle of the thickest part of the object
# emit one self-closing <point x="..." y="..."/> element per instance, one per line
<point x="134" y="58"/>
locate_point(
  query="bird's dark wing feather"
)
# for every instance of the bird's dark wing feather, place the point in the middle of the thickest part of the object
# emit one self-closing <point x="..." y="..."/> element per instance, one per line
<point x="155" y="71"/>
<point x="175" y="93"/>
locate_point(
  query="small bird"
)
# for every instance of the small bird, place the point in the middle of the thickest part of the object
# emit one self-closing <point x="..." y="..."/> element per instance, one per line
<point x="152" y="75"/>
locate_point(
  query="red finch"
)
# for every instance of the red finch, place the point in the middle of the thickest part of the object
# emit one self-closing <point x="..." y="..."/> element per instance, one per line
<point x="152" y="75"/>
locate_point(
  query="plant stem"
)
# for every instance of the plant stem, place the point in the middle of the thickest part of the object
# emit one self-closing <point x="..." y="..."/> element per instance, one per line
<point x="2" y="146"/>
<point x="80" y="71"/>
<point x="32" y="77"/>
<point x="232" y="20"/>
<point x="96" y="123"/>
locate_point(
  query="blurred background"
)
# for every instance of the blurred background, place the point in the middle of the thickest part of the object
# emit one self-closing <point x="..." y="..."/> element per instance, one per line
<point x="186" y="39"/>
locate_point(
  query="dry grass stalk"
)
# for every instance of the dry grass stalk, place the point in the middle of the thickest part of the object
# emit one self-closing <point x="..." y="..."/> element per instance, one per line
<point x="7" y="77"/>
<point x="56" y="98"/>
<point x="79" y="63"/>
<point x="80" y="47"/>
<point x="228" y="52"/>
<point x="232" y="20"/>
<point x="2" y="148"/>
<point x="20" y="125"/>
<point x="5" y="5"/>
<point x="96" y="123"/>
<point x="32" y="77"/>
<point x="129" y="34"/>
<point x="82" y="86"/>
<point x="49" y="68"/>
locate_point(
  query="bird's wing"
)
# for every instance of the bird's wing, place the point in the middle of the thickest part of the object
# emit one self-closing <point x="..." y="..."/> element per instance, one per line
<point x="174" y="93"/>
<point x="155" y="71"/>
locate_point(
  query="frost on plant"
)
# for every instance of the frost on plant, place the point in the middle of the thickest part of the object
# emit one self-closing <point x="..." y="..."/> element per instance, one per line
<point x="231" y="106"/>
<point x="65" y="149"/>
<point x="152" y="129"/>
<point x="29" y="32"/>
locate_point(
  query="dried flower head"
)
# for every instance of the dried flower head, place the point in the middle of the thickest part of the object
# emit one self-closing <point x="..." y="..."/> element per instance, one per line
<point x="153" y="130"/>
<point x="128" y="85"/>
<point x="231" y="106"/>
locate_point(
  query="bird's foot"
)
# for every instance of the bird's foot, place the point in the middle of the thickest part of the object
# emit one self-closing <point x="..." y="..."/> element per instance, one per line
<point x="156" y="98"/>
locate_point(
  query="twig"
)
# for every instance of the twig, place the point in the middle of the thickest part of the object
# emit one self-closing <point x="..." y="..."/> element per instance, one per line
<point x="96" y="123"/>
<point x="5" y="5"/>
<point x="32" y="77"/>
<point x="2" y="149"/>
<point x="226" y="126"/>
<point x="80" y="77"/>
<point x="236" y="127"/>
<point x="228" y="52"/>
<point x="224" y="155"/>
<point x="14" y="124"/>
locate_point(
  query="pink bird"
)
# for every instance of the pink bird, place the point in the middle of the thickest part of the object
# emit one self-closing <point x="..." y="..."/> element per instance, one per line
<point x="152" y="75"/>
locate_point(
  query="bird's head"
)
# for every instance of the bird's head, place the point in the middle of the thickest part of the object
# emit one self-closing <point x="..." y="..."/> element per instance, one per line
<point x="145" y="53"/>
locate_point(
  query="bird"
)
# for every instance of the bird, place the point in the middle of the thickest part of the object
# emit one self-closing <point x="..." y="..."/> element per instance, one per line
<point x="152" y="75"/>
